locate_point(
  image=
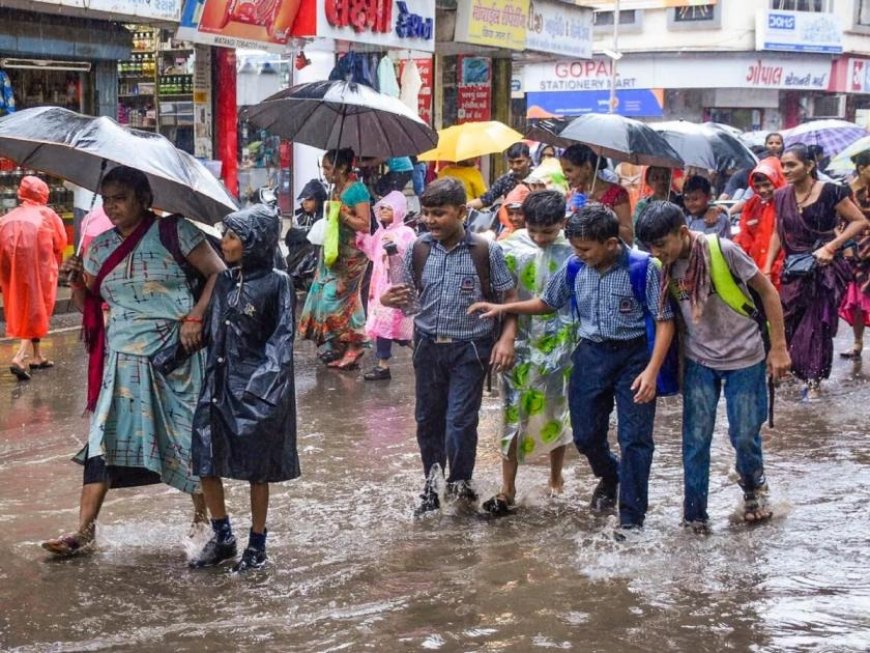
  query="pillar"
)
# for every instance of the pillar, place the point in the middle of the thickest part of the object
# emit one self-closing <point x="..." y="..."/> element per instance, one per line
<point x="226" y="117"/>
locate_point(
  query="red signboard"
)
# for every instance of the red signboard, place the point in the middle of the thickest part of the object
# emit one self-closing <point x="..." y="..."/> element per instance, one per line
<point x="424" y="97"/>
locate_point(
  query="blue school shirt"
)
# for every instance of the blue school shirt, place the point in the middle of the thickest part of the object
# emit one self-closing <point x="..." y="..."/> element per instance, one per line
<point x="606" y="305"/>
<point x="449" y="285"/>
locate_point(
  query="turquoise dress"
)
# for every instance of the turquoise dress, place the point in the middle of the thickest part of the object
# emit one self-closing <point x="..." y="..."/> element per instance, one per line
<point x="333" y="315"/>
<point x="536" y="388"/>
<point x="144" y="419"/>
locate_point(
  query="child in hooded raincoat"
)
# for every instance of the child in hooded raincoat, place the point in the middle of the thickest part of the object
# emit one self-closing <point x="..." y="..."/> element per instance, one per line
<point x="32" y="238"/>
<point x="245" y="423"/>
<point x="758" y="217"/>
<point x="386" y="325"/>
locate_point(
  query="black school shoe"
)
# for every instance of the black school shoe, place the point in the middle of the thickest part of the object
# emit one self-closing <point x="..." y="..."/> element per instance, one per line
<point x="252" y="559"/>
<point x="461" y="490"/>
<point x="378" y="374"/>
<point x="604" y="496"/>
<point x="429" y="502"/>
<point x="214" y="553"/>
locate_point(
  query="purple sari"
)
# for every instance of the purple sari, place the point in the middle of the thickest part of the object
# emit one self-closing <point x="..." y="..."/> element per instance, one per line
<point x="810" y="304"/>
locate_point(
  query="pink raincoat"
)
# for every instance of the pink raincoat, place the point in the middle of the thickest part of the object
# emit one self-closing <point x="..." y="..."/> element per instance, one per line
<point x="32" y="239"/>
<point x="386" y="322"/>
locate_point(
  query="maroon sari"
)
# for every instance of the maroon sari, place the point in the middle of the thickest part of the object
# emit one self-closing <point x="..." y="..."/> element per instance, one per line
<point x="810" y="304"/>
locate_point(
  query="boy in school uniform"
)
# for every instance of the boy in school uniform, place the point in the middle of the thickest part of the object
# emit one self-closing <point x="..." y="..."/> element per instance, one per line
<point x="701" y="216"/>
<point x="452" y="269"/>
<point x="612" y="362"/>
<point x="723" y="348"/>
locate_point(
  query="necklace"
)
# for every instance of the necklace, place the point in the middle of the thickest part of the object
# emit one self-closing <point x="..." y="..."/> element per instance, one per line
<point x="802" y="201"/>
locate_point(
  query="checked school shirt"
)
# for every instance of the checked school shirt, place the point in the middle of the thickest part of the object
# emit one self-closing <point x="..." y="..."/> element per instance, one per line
<point x="450" y="285"/>
<point x="607" y="307"/>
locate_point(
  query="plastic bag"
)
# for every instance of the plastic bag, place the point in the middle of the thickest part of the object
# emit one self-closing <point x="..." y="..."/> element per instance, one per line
<point x="331" y="236"/>
<point x="316" y="233"/>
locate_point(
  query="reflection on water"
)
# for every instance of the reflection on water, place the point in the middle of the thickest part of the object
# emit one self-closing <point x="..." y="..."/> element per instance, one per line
<point x="351" y="570"/>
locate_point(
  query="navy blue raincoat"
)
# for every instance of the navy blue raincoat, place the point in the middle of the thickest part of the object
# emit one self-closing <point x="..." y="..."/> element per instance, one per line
<point x="245" y="423"/>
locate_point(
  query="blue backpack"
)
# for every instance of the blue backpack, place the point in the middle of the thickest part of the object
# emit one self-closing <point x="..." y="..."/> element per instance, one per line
<point x="668" y="381"/>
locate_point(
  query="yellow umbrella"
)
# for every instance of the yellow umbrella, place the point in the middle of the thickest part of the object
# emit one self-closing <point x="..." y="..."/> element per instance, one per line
<point x="470" y="140"/>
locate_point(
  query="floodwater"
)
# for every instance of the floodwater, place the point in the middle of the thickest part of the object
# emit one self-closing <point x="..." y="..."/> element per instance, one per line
<point x="352" y="570"/>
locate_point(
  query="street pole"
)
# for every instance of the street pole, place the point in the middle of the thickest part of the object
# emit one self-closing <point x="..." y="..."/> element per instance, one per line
<point x="613" y="61"/>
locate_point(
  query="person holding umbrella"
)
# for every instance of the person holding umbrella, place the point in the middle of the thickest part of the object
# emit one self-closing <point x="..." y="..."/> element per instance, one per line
<point x="333" y="316"/>
<point x="141" y="425"/>
<point x="32" y="238"/>
<point x="520" y="163"/>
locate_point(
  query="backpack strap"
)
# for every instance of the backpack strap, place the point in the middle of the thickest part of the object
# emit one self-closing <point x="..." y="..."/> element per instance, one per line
<point x="724" y="283"/>
<point x="638" y="263"/>
<point x="167" y="229"/>
<point x="420" y="252"/>
<point x="571" y="270"/>
<point x="479" y="250"/>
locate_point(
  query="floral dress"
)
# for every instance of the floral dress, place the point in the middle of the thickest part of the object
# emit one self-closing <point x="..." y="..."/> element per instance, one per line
<point x="536" y="389"/>
<point x="144" y="419"/>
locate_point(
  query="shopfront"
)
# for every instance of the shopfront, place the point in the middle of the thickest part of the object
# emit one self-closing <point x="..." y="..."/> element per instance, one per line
<point x="747" y="90"/>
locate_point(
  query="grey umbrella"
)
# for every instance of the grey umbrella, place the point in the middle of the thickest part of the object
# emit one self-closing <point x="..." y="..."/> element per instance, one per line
<point x="339" y="114"/>
<point x="706" y="147"/>
<point x="80" y="148"/>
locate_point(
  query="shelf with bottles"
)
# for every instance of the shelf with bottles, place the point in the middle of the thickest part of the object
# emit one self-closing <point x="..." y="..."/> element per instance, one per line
<point x="60" y="198"/>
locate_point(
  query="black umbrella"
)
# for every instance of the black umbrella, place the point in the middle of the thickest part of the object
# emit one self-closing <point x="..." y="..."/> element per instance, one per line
<point x="80" y="148"/>
<point x="337" y="114"/>
<point x="706" y="147"/>
<point x="547" y="131"/>
<point x="623" y="139"/>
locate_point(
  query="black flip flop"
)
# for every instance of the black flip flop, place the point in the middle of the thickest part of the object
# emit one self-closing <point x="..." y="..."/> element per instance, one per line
<point x="20" y="372"/>
<point x="44" y="365"/>
<point x="498" y="506"/>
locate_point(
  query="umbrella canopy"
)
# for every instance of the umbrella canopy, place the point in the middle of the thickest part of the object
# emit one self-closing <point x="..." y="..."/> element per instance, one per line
<point x="842" y="163"/>
<point x="66" y="144"/>
<point x="832" y="135"/>
<point x="336" y="114"/>
<point x="755" y="138"/>
<point x="547" y="132"/>
<point x="623" y="139"/>
<point x="471" y="140"/>
<point x="721" y="126"/>
<point x="705" y="147"/>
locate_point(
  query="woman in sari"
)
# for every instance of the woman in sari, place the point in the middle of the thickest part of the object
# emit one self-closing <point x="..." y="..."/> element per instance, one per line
<point x="581" y="167"/>
<point x="807" y="213"/>
<point x="333" y="316"/>
<point x="141" y="425"/>
<point x="856" y="305"/>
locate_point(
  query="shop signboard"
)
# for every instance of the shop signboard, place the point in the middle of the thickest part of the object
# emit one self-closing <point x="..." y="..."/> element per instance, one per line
<point x="629" y="5"/>
<point x="559" y="29"/>
<point x="168" y="10"/>
<point x="424" y="96"/>
<point x="635" y="103"/>
<point x="202" y="115"/>
<point x="762" y="72"/>
<point x="400" y="24"/>
<point x="496" y="23"/>
<point x="798" y="31"/>
<point x="474" y="91"/>
<point x="858" y="76"/>
<point x="256" y="24"/>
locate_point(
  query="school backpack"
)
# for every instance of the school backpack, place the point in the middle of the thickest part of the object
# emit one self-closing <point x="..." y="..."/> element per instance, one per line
<point x="479" y="256"/>
<point x="668" y="380"/>
<point x="732" y="294"/>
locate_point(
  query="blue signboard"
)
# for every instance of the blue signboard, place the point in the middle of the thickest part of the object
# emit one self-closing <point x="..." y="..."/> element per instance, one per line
<point x="634" y="103"/>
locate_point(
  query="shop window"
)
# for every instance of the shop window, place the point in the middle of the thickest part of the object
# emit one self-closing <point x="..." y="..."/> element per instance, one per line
<point x="630" y="20"/>
<point x="695" y="17"/>
<point x="825" y="6"/>
<point x="862" y="13"/>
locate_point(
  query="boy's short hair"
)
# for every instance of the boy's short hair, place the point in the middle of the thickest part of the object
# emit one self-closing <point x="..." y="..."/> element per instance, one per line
<point x="593" y="222"/>
<point x="517" y="150"/>
<point x="697" y="182"/>
<point x="658" y="220"/>
<point x="446" y="191"/>
<point x="544" y="208"/>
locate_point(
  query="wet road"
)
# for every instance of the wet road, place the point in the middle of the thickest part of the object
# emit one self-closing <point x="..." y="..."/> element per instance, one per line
<point x="353" y="571"/>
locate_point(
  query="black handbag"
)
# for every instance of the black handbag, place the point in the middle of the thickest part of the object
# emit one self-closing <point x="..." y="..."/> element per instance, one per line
<point x="798" y="266"/>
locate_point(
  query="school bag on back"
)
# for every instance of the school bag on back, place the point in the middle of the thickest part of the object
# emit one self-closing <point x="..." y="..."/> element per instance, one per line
<point x="668" y="380"/>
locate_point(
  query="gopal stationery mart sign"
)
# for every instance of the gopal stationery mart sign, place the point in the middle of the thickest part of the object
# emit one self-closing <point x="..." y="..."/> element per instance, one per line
<point x="762" y="72"/>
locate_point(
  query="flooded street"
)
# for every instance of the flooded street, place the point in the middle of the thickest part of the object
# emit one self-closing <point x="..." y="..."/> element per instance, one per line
<point x="352" y="570"/>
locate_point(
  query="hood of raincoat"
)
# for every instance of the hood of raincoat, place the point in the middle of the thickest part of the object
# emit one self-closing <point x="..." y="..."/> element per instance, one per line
<point x="396" y="201"/>
<point x="313" y="190"/>
<point x="258" y="227"/>
<point x="770" y="168"/>
<point x="33" y="190"/>
<point x="517" y="196"/>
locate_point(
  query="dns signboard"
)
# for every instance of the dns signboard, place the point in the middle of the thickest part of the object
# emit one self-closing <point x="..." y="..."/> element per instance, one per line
<point x="798" y="31"/>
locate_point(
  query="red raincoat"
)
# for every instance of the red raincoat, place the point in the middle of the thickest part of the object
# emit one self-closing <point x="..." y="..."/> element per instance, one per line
<point x="32" y="239"/>
<point x="758" y="219"/>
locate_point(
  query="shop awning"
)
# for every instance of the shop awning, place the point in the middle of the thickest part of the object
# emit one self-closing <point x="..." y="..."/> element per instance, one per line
<point x="30" y="34"/>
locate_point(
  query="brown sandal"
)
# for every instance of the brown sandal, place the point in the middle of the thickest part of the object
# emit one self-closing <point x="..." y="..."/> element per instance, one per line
<point x="855" y="352"/>
<point x="69" y="544"/>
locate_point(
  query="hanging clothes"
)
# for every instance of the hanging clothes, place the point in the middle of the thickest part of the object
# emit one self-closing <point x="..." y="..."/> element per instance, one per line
<point x="387" y="81"/>
<point x="411" y="85"/>
<point x="7" y="96"/>
<point x="32" y="238"/>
